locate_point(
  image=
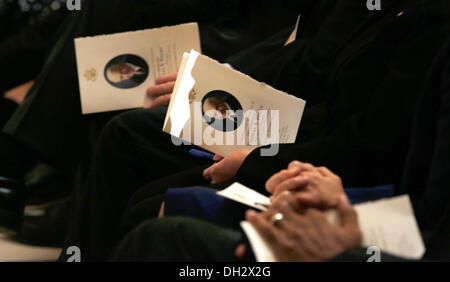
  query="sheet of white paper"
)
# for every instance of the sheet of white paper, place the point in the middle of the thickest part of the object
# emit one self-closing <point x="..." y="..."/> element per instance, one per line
<point x="144" y="55"/>
<point x="179" y="110"/>
<point x="244" y="195"/>
<point x="262" y="251"/>
<point x="217" y="84"/>
<point x="239" y="193"/>
<point x="388" y="224"/>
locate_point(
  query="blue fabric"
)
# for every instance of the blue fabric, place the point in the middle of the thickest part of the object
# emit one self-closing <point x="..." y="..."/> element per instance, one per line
<point x="205" y="204"/>
<point x="201" y="154"/>
<point x="360" y="195"/>
<point x="193" y="202"/>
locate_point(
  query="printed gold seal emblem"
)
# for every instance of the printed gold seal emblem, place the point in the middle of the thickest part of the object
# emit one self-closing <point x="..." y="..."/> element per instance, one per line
<point x="90" y="75"/>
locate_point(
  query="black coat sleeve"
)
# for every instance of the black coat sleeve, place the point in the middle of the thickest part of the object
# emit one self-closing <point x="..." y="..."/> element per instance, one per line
<point x="427" y="177"/>
<point x="368" y="147"/>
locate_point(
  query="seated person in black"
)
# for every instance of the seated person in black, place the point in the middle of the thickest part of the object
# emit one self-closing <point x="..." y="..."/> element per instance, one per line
<point x="426" y="181"/>
<point x="26" y="32"/>
<point x="49" y="126"/>
<point x="367" y="74"/>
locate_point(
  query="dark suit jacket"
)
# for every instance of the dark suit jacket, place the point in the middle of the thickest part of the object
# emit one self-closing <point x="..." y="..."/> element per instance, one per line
<point x="427" y="171"/>
<point x="368" y="81"/>
<point x="426" y="180"/>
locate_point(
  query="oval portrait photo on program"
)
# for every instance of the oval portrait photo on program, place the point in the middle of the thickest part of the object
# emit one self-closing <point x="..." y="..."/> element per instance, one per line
<point x="222" y="110"/>
<point x="126" y="71"/>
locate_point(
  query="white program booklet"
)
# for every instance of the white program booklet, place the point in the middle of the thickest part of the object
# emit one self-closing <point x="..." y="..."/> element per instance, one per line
<point x="115" y="70"/>
<point x="388" y="224"/>
<point x="239" y="193"/>
<point x="222" y="110"/>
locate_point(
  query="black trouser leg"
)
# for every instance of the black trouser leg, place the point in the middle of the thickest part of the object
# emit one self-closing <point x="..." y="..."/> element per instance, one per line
<point x="179" y="239"/>
<point x="146" y="202"/>
<point x="7" y="108"/>
<point x="15" y="158"/>
<point x="132" y="151"/>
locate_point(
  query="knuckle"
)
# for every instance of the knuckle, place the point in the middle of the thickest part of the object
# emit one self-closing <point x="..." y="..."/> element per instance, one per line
<point x="312" y="214"/>
<point x="277" y="204"/>
<point x="289" y="245"/>
<point x="314" y="177"/>
<point x="284" y="203"/>
<point x="298" y="236"/>
<point x="302" y="179"/>
<point x="285" y="243"/>
<point x="299" y="179"/>
<point x="285" y="196"/>
<point x="316" y="215"/>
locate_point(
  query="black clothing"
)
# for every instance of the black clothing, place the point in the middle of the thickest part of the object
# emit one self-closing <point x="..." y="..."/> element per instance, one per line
<point x="25" y="38"/>
<point x="361" y="128"/>
<point x="179" y="239"/>
<point x="427" y="181"/>
<point x="50" y="120"/>
<point x="427" y="170"/>
<point x="367" y="72"/>
<point x="174" y="239"/>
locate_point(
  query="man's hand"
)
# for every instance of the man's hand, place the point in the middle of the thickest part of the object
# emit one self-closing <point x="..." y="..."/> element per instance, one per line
<point x="306" y="235"/>
<point x="306" y="178"/>
<point x="161" y="92"/>
<point x="225" y="168"/>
